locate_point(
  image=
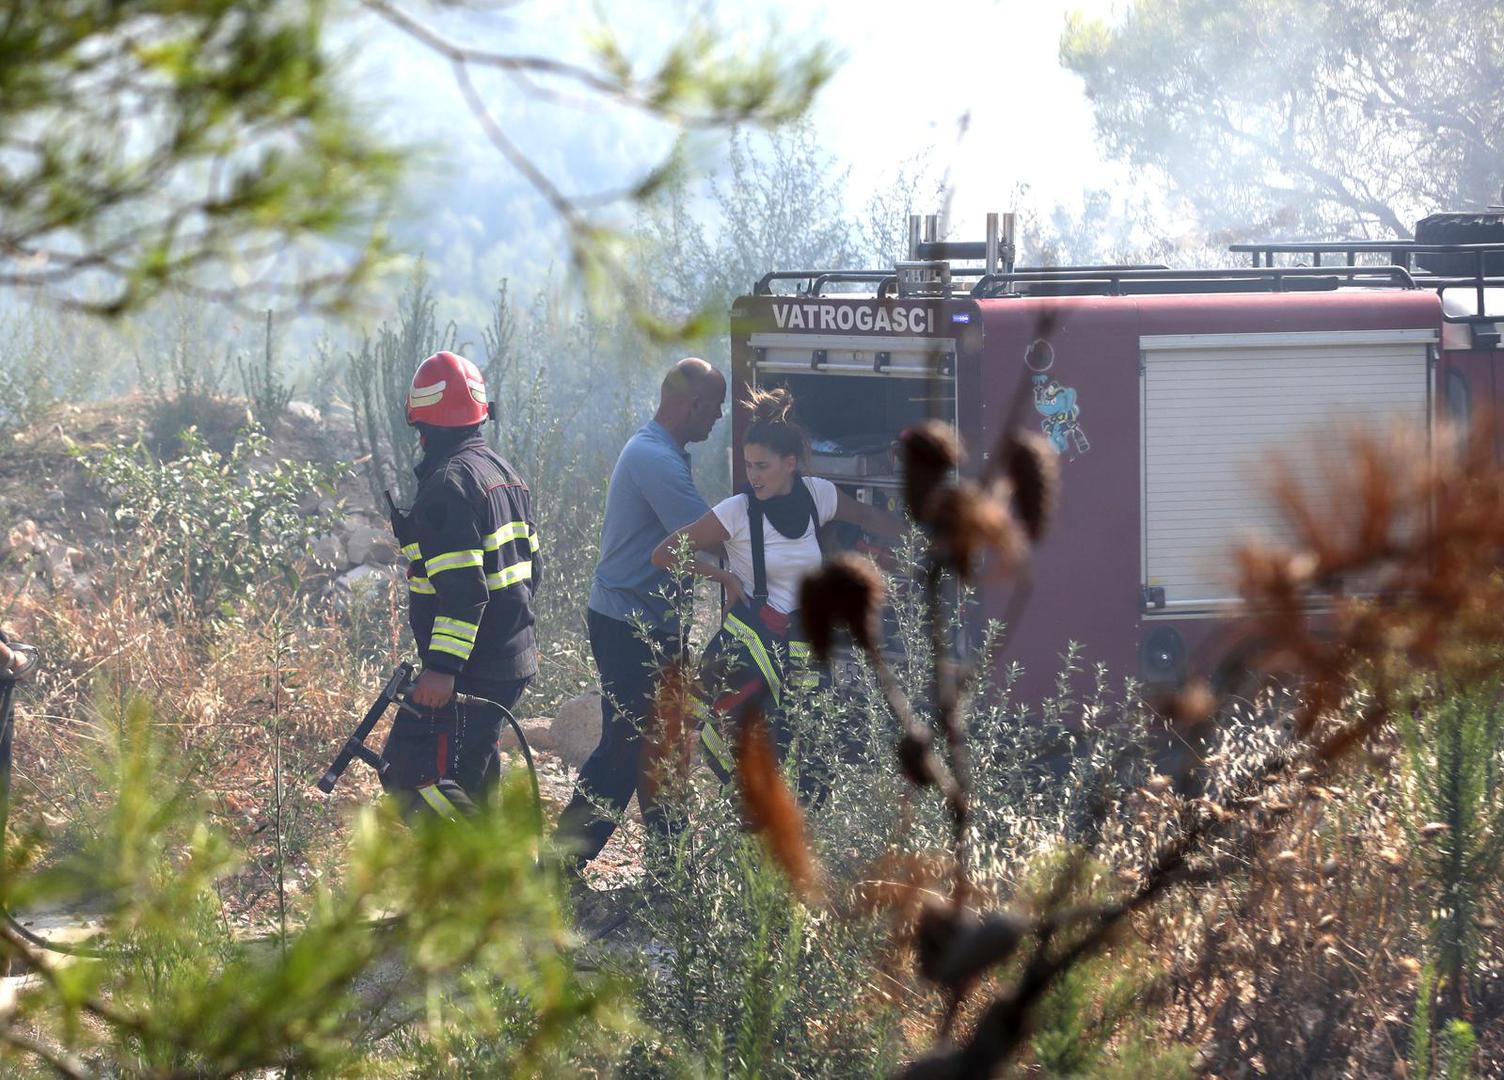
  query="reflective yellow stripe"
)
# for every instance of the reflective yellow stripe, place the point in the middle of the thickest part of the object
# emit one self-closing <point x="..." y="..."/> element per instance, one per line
<point x="800" y="673"/>
<point x="421" y="585"/>
<point x="532" y="540"/>
<point x="753" y="644"/>
<point x="515" y="530"/>
<point x="438" y="802"/>
<point x="717" y="752"/>
<point x="453" y="646"/>
<point x="522" y="571"/>
<point x="454" y="560"/>
<point x="412" y="551"/>
<point x="455" y="628"/>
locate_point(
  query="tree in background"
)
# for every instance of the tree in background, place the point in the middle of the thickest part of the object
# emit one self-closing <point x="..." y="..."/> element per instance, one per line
<point x="1353" y="117"/>
<point x="152" y="144"/>
<point x="210" y="148"/>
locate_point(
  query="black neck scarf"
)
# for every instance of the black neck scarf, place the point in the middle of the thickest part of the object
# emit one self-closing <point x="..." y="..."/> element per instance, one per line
<point x="790" y="514"/>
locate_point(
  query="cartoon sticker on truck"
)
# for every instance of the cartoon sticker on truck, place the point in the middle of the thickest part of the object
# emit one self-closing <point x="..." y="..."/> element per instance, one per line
<point x="1055" y="403"/>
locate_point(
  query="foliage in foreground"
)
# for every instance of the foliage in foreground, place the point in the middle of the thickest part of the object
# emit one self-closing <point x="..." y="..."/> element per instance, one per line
<point x="447" y="931"/>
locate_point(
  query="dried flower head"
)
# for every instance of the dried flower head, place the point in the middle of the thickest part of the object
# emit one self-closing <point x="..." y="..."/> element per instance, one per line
<point x="930" y="453"/>
<point x="916" y="757"/>
<point x="846" y="592"/>
<point x="767" y="806"/>
<point x="967" y="522"/>
<point x="955" y="945"/>
<point x="1032" y="467"/>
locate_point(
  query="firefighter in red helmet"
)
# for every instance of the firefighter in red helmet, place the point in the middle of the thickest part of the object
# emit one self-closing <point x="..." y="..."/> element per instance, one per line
<point x="473" y="568"/>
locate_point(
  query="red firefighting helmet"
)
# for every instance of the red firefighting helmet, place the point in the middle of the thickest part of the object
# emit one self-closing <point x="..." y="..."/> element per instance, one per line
<point x="447" y="391"/>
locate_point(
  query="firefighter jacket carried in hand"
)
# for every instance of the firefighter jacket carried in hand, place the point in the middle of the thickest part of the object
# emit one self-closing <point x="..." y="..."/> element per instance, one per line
<point x="473" y="563"/>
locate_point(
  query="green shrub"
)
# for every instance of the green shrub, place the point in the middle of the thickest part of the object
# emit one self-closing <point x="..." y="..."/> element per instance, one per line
<point x="1454" y="755"/>
<point x="265" y="391"/>
<point x="212" y="525"/>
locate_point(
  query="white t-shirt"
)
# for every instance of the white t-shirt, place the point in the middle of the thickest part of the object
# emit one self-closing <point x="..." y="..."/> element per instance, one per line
<point x="787" y="561"/>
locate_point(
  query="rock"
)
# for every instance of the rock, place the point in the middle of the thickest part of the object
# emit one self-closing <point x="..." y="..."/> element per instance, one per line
<point x="366" y="577"/>
<point x="329" y="550"/>
<point x="366" y="544"/>
<point x="24" y="540"/>
<point x="56" y="497"/>
<point x="302" y="410"/>
<point x="577" y="728"/>
<point x="537" y="731"/>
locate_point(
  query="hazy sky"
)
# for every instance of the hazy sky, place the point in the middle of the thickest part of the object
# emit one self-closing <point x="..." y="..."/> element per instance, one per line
<point x="906" y="82"/>
<point x="903" y="85"/>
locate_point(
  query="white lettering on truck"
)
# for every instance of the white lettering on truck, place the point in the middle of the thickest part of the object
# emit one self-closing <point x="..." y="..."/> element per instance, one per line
<point x="882" y="319"/>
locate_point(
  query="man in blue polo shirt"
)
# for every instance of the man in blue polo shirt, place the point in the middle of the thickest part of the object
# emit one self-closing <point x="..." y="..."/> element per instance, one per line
<point x="651" y="495"/>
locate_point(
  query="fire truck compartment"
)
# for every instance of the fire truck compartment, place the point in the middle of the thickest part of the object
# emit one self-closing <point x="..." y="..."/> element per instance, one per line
<point x="1217" y="409"/>
<point x="854" y="397"/>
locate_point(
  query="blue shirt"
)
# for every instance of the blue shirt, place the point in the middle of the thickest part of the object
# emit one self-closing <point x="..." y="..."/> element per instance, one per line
<point x="651" y="495"/>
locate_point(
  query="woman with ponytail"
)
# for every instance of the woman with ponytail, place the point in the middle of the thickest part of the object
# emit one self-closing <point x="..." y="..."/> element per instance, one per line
<point x="769" y="532"/>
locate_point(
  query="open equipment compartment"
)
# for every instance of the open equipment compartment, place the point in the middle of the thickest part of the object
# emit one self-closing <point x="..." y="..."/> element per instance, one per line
<point x="856" y="393"/>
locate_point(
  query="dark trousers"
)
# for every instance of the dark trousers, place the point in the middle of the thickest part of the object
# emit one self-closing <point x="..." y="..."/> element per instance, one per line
<point x="616" y="768"/>
<point x="447" y="761"/>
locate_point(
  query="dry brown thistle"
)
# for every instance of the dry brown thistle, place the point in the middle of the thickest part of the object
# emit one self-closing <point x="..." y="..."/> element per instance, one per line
<point x="769" y="808"/>
<point x="1032" y="468"/>
<point x="930" y="454"/>
<point x="847" y="592"/>
<point x="967" y="522"/>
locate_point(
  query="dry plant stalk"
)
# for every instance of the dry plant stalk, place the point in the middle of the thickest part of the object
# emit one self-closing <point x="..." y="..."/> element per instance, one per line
<point x="769" y="807"/>
<point x="668" y="739"/>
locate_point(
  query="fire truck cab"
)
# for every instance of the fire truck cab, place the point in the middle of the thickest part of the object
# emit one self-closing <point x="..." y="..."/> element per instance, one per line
<point x="1163" y="390"/>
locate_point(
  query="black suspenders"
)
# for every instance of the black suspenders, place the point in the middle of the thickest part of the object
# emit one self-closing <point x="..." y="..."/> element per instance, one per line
<point x="759" y="549"/>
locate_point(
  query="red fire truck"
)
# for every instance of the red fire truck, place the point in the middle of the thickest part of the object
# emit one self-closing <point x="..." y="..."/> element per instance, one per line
<point x="1161" y="388"/>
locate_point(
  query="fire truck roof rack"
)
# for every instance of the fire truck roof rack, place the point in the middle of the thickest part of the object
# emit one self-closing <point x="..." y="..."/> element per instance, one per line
<point x="818" y="279"/>
<point x="1484" y="259"/>
<point x="1119" y="282"/>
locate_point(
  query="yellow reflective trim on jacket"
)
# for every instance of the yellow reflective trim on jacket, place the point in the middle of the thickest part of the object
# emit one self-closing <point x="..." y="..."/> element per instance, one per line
<point x="453" y="646"/>
<point x="438" y="802"/>
<point x="454" y="560"/>
<point x="532" y="539"/>
<point x="515" y="530"/>
<point x="413" y="551"/>
<point x="456" y="628"/>
<point x="422" y="586"/>
<point x="517" y="572"/>
<point x="754" y="646"/>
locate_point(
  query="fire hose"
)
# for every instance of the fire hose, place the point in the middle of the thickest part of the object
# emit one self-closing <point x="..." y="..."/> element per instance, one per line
<point x="396" y="691"/>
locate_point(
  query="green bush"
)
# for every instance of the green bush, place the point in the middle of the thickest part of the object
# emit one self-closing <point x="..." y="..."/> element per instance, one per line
<point x="210" y="526"/>
<point x="266" y="393"/>
<point x="1455" y="760"/>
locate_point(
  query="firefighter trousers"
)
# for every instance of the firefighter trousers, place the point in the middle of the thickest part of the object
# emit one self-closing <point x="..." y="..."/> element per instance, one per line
<point x="447" y="761"/>
<point x="618" y="767"/>
<point x="755" y="661"/>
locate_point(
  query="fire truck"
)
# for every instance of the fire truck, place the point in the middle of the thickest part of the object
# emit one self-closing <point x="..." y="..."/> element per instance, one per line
<point x="1162" y="390"/>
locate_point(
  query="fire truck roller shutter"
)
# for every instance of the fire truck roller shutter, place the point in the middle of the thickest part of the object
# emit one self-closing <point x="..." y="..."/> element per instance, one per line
<point x="1216" y="406"/>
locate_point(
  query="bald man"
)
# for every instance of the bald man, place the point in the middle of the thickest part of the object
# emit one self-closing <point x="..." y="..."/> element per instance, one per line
<point x="651" y="495"/>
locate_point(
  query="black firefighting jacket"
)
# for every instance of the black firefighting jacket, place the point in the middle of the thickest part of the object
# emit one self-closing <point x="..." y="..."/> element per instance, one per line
<point x="473" y="565"/>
